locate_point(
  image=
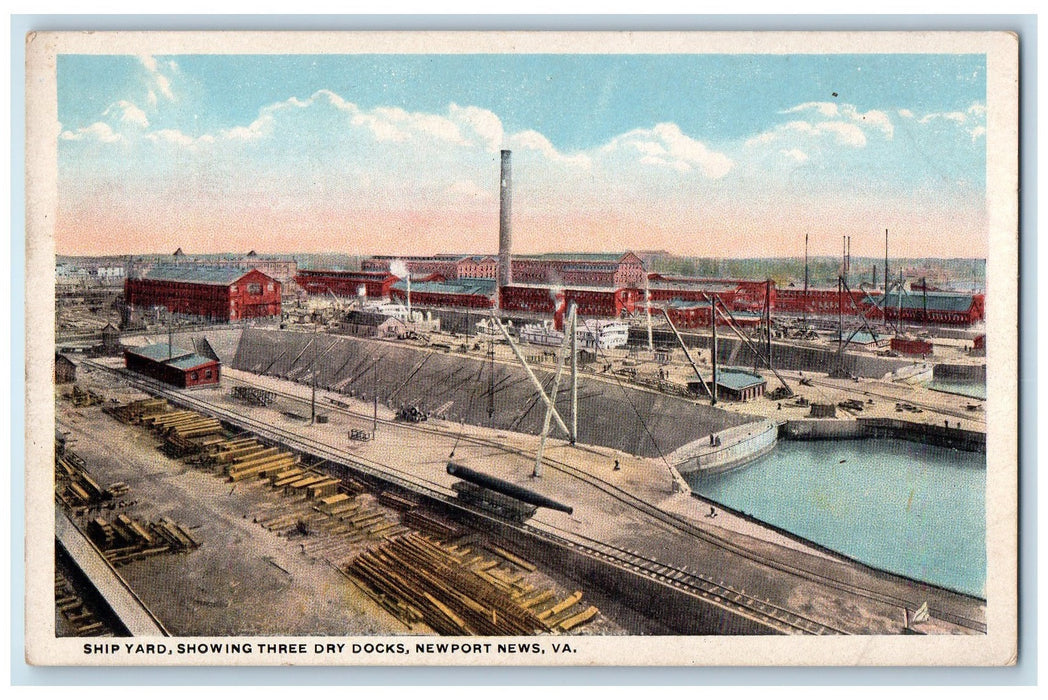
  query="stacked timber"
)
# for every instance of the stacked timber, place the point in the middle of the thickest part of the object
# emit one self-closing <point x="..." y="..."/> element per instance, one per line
<point x="430" y="523"/>
<point x="136" y="411"/>
<point x="414" y="573"/>
<point x="125" y="539"/>
<point x="74" y="486"/>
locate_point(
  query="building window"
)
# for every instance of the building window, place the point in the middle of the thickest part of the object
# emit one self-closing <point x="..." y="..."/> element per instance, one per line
<point x="254" y="288"/>
<point x="207" y="374"/>
<point x="269" y="287"/>
<point x="193" y="376"/>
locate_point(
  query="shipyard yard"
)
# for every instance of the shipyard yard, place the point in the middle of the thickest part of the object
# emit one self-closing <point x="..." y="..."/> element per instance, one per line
<point x="637" y="554"/>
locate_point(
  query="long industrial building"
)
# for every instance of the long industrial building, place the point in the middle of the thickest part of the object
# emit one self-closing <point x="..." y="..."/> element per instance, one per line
<point x="211" y="293"/>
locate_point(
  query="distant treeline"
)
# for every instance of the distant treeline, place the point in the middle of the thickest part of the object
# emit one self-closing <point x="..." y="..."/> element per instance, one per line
<point x="963" y="273"/>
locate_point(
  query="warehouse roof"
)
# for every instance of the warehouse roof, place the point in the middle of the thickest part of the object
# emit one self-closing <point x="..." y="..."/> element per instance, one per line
<point x="191" y="362"/>
<point x="738" y="379"/>
<point x="197" y="275"/>
<point x="937" y="301"/>
<point x="160" y="352"/>
<point x="351" y="274"/>
<point x="468" y="285"/>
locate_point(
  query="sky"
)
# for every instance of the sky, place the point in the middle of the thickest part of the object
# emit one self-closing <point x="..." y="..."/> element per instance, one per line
<point x="704" y="155"/>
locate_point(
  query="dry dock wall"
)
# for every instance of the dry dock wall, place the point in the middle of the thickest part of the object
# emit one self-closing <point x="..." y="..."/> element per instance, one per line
<point x="863" y="428"/>
<point x="732" y="351"/>
<point x="963" y="373"/>
<point x="456" y="388"/>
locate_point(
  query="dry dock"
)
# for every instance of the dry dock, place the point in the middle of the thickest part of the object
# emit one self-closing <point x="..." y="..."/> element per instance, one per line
<point x="631" y="535"/>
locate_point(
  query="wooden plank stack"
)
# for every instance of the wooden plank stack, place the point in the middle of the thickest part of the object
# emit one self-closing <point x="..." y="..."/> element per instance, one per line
<point x="452" y="600"/>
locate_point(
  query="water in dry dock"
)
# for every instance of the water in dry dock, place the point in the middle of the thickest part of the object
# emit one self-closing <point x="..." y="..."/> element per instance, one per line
<point x="913" y="509"/>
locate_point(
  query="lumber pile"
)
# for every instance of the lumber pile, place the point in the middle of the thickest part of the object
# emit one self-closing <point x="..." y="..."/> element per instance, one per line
<point x="74" y="485"/>
<point x="135" y="411"/>
<point x="427" y="581"/>
<point x="124" y="538"/>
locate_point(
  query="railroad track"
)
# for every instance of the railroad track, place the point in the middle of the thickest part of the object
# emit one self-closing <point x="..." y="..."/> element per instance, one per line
<point x="692" y="581"/>
<point x="966" y="415"/>
<point x="675" y="522"/>
<point x="764" y="611"/>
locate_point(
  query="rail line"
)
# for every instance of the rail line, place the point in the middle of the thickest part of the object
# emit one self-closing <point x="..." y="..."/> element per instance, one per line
<point x="680" y="578"/>
<point x="669" y="520"/>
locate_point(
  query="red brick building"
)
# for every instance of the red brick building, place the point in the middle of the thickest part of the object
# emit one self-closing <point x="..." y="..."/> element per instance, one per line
<point x="344" y="283"/>
<point x="464" y="293"/>
<point x="211" y="293"/>
<point x="171" y="365"/>
<point x="943" y="308"/>
<point x="737" y="295"/>
<point x="579" y="269"/>
<point x="696" y="314"/>
<point x="600" y="302"/>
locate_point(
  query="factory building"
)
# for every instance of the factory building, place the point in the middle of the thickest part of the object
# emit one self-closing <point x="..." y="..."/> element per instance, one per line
<point x="463" y="293"/>
<point x="601" y="302"/>
<point x="939" y="308"/>
<point x="737" y="295"/>
<point x="342" y="283"/>
<point x="943" y="308"/>
<point x="580" y="269"/>
<point x="697" y="314"/>
<point x="577" y="269"/>
<point x="211" y="293"/>
<point x="171" y="365"/>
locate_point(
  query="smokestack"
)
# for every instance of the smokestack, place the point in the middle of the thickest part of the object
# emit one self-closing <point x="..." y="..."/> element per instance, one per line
<point x="505" y="231"/>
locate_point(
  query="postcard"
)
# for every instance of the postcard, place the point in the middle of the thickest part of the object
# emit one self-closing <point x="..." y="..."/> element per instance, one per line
<point x="511" y="348"/>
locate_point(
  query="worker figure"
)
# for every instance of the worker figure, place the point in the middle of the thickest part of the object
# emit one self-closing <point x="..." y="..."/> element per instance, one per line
<point x="616" y="468"/>
<point x="712" y="513"/>
<point x="711" y="439"/>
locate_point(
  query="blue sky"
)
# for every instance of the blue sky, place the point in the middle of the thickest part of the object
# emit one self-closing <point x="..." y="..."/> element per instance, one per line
<point x="645" y="151"/>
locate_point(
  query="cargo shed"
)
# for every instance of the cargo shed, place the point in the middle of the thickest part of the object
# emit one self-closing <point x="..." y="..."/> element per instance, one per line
<point x="171" y="365"/>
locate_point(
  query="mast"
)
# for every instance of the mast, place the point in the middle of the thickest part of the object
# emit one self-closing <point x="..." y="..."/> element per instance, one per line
<point x="805" y="311"/>
<point x="840" y="322"/>
<point x="924" y="290"/>
<point x="885" y="263"/>
<point x="767" y="314"/>
<point x="313" y="371"/>
<point x="575" y="371"/>
<point x="713" y="353"/>
<point x="647" y="305"/>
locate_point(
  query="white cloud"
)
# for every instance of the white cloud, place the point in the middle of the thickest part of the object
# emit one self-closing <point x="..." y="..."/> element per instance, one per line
<point x="161" y="81"/>
<point x="826" y="109"/>
<point x="977" y="132"/>
<point x="846" y="134"/>
<point x="99" y="131"/>
<point x="534" y="141"/>
<point x="905" y="113"/>
<point x="485" y="125"/>
<point x="819" y="112"/>
<point x="795" y="154"/>
<point x="127" y="113"/>
<point x="665" y="145"/>
<point x="958" y="117"/>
